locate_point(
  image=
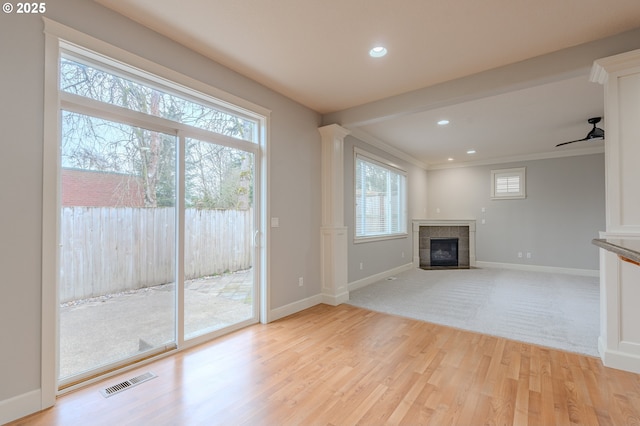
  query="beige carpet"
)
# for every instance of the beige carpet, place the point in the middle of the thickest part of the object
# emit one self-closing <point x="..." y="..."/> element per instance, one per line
<point x="555" y="310"/>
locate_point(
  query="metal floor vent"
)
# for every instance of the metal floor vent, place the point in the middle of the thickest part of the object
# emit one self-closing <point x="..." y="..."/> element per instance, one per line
<point x="127" y="384"/>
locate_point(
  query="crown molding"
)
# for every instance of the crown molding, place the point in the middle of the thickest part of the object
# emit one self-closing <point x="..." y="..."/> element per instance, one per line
<point x="371" y="140"/>
<point x="605" y="66"/>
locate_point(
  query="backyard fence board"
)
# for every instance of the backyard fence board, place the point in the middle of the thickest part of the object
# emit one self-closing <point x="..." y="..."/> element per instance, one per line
<point x="107" y="250"/>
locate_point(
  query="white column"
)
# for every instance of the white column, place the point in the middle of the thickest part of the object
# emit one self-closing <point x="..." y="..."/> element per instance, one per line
<point x="619" y="342"/>
<point x="333" y="232"/>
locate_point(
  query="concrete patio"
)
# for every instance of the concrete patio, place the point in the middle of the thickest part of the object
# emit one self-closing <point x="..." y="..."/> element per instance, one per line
<point x="108" y="328"/>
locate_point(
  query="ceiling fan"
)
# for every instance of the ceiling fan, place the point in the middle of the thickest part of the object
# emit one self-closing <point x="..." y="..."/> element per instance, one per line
<point x="595" y="133"/>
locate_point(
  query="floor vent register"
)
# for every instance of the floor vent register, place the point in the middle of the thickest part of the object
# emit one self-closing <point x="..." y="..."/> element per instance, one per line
<point x="127" y="384"/>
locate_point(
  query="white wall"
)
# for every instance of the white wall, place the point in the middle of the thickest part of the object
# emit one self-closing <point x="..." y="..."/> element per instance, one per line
<point x="294" y="191"/>
<point x="564" y="210"/>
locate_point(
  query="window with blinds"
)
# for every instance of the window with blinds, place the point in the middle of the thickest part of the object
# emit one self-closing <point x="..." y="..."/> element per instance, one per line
<point x="508" y="184"/>
<point x="380" y="198"/>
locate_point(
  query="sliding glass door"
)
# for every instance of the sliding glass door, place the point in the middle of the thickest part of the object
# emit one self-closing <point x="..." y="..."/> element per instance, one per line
<point x="219" y="237"/>
<point x="158" y="217"/>
<point x="117" y="251"/>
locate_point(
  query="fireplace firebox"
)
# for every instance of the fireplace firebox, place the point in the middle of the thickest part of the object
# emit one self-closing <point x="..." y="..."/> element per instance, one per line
<point x="444" y="252"/>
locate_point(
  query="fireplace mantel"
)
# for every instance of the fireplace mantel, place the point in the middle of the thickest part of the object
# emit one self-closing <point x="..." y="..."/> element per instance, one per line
<point x="471" y="223"/>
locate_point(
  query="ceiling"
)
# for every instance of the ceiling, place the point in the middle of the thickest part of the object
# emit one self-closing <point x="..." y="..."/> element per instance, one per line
<point x="316" y="53"/>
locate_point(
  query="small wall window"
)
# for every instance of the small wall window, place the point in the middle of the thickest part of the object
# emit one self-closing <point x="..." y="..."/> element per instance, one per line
<point x="508" y="184"/>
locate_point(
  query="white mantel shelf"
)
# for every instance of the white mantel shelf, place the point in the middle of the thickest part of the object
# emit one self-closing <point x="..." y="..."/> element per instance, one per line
<point x="417" y="223"/>
<point x="445" y="222"/>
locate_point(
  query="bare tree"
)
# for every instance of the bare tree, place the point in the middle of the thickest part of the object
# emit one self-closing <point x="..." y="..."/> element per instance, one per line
<point x="217" y="177"/>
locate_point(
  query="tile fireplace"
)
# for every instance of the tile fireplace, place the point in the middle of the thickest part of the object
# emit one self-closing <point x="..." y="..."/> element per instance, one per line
<point x="440" y="244"/>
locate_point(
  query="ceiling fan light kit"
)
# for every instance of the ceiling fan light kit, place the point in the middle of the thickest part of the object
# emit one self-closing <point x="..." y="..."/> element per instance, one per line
<point x="595" y="133"/>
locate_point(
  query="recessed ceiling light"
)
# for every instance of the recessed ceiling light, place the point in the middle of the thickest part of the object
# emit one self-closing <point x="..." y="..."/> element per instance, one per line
<point x="378" y="52"/>
<point x="471" y="151"/>
<point x="443" y="122"/>
<point x="449" y="159"/>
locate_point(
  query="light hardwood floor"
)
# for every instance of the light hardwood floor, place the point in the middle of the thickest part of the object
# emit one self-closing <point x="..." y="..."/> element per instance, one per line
<point x="345" y="365"/>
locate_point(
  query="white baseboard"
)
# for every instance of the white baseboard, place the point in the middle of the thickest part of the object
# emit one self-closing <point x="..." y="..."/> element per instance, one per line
<point x="19" y="406"/>
<point x="300" y="305"/>
<point x="620" y="360"/>
<point x="335" y="300"/>
<point x="292" y="308"/>
<point x="601" y="347"/>
<point x="378" y="277"/>
<point x="538" y="268"/>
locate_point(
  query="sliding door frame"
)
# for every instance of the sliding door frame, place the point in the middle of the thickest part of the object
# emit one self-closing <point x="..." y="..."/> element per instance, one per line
<point x="55" y="36"/>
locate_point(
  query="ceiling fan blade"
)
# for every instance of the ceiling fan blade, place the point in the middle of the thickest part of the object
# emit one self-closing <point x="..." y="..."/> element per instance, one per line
<point x="595" y="133"/>
<point x="566" y="143"/>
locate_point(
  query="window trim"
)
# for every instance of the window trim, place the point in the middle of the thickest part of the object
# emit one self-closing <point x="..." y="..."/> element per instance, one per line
<point x="359" y="153"/>
<point x="520" y="172"/>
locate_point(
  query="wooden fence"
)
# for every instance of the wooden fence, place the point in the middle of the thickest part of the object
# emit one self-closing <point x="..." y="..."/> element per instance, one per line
<point x="109" y="250"/>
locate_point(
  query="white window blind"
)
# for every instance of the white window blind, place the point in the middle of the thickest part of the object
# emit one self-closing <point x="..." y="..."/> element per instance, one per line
<point x="508" y="183"/>
<point x="380" y="198"/>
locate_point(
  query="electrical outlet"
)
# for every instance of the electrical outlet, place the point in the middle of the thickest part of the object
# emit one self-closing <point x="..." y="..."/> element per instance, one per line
<point x="361" y="266"/>
<point x="300" y="282"/>
<point x="402" y="255"/>
<point x="528" y="255"/>
<point x="520" y="254"/>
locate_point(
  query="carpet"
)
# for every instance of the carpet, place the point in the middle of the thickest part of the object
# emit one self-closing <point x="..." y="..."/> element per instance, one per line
<point x="560" y="311"/>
